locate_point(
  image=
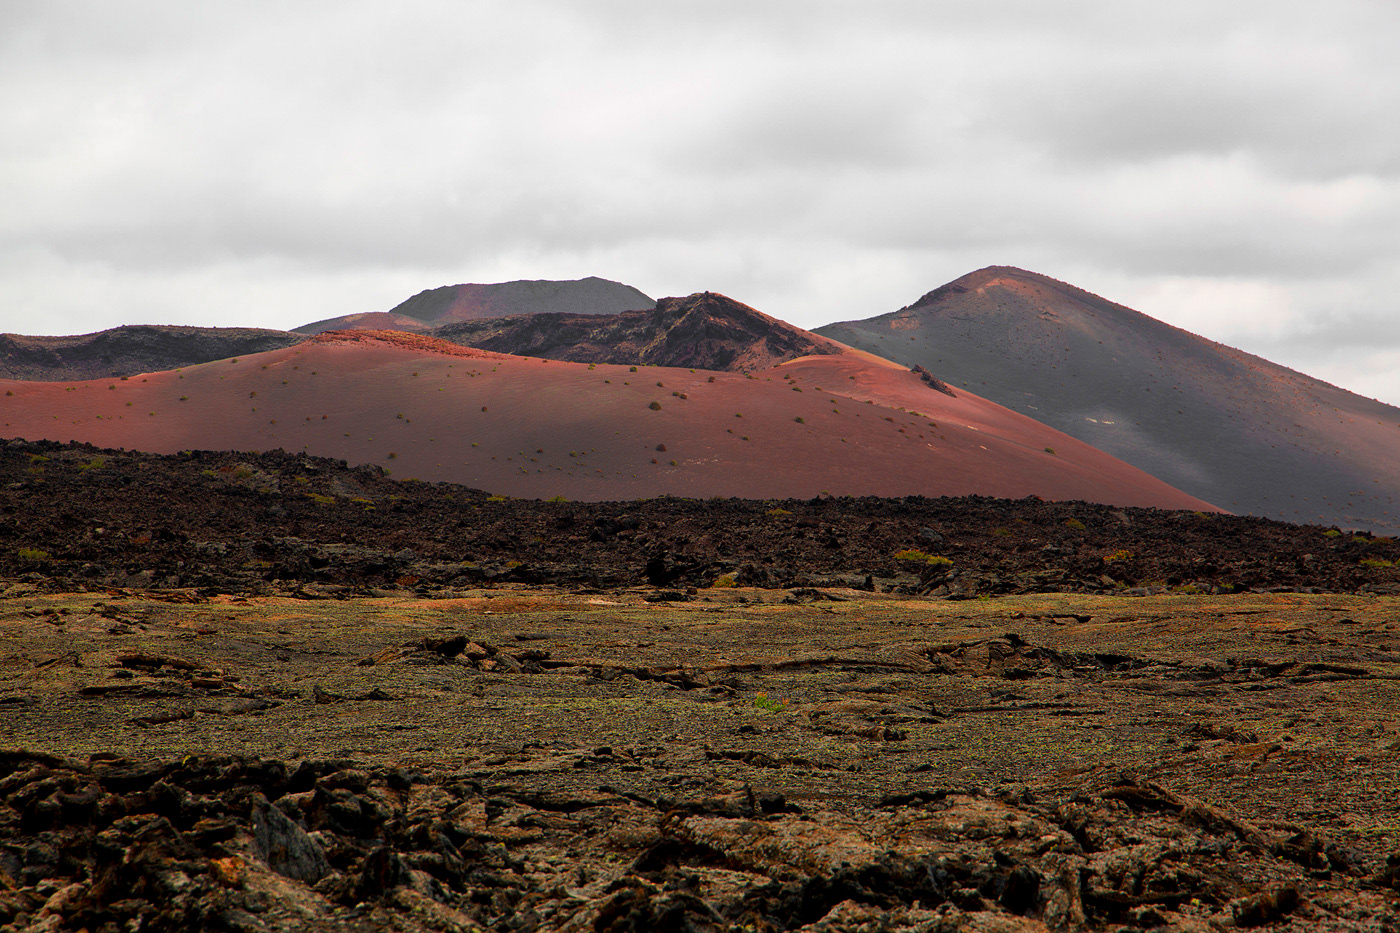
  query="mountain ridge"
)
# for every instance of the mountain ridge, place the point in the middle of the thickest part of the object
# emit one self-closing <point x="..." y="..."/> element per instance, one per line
<point x="1228" y="426"/>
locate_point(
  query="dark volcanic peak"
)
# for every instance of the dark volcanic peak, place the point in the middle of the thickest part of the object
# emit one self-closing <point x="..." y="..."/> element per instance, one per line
<point x="701" y="331"/>
<point x="1226" y="426"/>
<point x="131" y="349"/>
<point x="454" y="303"/>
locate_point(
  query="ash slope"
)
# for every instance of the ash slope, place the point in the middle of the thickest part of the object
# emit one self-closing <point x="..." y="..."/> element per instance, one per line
<point x="131" y="349"/>
<point x="845" y="424"/>
<point x="1229" y="427"/>
<point x="455" y="303"/>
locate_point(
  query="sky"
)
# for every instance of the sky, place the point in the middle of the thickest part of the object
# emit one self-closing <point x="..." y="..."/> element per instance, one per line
<point x="1233" y="169"/>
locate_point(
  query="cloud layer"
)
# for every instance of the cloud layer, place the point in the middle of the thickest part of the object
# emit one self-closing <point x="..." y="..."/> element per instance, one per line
<point x="1234" y="170"/>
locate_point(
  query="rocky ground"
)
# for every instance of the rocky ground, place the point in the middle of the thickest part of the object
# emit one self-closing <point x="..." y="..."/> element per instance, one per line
<point x="275" y="522"/>
<point x="231" y="705"/>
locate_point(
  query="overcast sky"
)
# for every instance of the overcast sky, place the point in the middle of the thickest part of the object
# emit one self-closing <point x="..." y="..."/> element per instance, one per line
<point x="1232" y="168"/>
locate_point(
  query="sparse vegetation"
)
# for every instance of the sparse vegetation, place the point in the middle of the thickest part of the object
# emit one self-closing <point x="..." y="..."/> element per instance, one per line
<point x="1074" y="524"/>
<point x="1119" y="555"/>
<point x="769" y="705"/>
<point x="916" y="556"/>
<point x="32" y="553"/>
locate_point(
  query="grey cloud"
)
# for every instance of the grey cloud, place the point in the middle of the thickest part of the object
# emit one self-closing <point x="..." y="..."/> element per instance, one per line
<point x="818" y="159"/>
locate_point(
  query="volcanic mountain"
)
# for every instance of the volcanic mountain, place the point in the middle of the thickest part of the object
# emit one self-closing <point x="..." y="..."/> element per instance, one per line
<point x="125" y="351"/>
<point x="703" y="331"/>
<point x="843" y="423"/>
<point x="1224" y="425"/>
<point x="455" y="303"/>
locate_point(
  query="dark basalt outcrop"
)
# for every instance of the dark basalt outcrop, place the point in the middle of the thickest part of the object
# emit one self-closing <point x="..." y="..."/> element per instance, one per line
<point x="248" y="844"/>
<point x="701" y="331"/>
<point x="241" y="522"/>
<point x="131" y="349"/>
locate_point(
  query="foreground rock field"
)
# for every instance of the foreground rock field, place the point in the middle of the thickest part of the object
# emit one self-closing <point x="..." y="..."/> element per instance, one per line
<point x="747" y="759"/>
<point x="266" y="692"/>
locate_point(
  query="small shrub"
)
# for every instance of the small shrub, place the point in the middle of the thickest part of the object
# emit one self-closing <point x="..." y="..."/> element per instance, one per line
<point x="800" y="420"/>
<point x="728" y="581"/>
<point x="184" y="398"/>
<point x="1120" y="554"/>
<point x="778" y="512"/>
<point x="1376" y="563"/>
<point x="1074" y="524"/>
<point x="495" y="498"/>
<point x="392" y="456"/>
<point x="655" y="406"/>
<point x="96" y="463"/>
<point x="1050" y="450"/>
<point x="769" y="705"/>
<point x="361" y="500"/>
<point x="556" y="499"/>
<point x="32" y="553"/>
<point x="916" y="556"/>
<point x="321" y="500"/>
<point x="632" y="369"/>
<point x="1331" y="533"/>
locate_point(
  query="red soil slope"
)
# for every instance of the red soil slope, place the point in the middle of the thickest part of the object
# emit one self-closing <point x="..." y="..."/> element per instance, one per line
<point x="431" y="410"/>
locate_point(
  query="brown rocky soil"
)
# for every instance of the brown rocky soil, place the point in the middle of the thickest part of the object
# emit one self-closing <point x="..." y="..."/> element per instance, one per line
<point x="232" y="706"/>
<point x="750" y="759"/>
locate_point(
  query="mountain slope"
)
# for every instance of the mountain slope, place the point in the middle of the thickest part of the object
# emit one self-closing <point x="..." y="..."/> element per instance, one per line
<point x="701" y="331"/>
<point x="453" y="303"/>
<point x="131" y="349"/>
<point x="1229" y="427"/>
<point x="528" y="427"/>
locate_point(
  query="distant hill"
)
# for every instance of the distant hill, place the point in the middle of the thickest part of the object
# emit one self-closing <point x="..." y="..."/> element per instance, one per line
<point x="843" y="423"/>
<point x="454" y="303"/>
<point x="128" y="350"/>
<point x="702" y="331"/>
<point x="1232" y="428"/>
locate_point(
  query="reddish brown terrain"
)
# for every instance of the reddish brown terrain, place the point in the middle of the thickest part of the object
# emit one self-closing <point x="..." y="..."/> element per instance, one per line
<point x="841" y="425"/>
<point x="1242" y="432"/>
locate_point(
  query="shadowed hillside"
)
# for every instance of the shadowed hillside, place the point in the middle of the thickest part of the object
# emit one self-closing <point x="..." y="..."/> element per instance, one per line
<point x="128" y="350"/>
<point x="1252" y="436"/>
